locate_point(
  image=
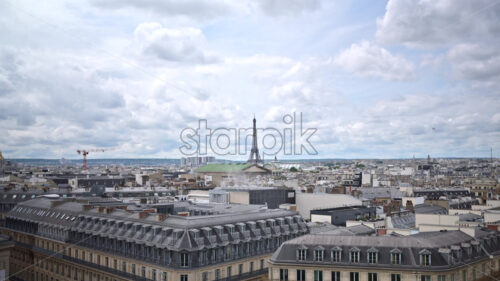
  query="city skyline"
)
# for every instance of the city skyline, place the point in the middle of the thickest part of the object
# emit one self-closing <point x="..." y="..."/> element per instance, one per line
<point x="383" y="80"/>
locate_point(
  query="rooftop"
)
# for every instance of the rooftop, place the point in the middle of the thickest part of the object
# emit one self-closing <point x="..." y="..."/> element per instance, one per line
<point x="222" y="168"/>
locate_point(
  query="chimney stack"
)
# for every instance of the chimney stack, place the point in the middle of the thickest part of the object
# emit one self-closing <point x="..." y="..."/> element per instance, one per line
<point x="161" y="217"/>
<point x="143" y="214"/>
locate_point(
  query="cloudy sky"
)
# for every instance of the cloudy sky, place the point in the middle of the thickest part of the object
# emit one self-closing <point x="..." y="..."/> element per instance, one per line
<point x="377" y="79"/>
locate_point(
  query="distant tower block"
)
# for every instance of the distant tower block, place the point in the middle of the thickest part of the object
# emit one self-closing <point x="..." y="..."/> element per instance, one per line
<point x="254" y="153"/>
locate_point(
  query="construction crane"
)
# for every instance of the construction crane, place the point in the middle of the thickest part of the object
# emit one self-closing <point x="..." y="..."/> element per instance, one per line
<point x="86" y="152"/>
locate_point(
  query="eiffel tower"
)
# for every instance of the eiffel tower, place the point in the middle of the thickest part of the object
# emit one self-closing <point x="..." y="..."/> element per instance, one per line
<point x="254" y="153"/>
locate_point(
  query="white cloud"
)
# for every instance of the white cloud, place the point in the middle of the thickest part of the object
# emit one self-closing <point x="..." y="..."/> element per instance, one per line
<point x="287" y="7"/>
<point x="474" y="61"/>
<point x="368" y="60"/>
<point x="59" y="91"/>
<point x="178" y="45"/>
<point x="429" y="23"/>
<point x="198" y="9"/>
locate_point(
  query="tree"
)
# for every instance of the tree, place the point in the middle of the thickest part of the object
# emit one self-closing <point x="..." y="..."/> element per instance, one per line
<point x="293" y="169"/>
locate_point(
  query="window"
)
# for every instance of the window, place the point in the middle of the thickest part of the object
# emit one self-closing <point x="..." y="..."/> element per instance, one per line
<point x="184" y="277"/>
<point x="262" y="264"/>
<point x="229" y="270"/>
<point x="425" y="257"/>
<point x="425" y="278"/>
<point x="483" y="267"/>
<point x="372" y="276"/>
<point x="336" y="255"/>
<point x="353" y="276"/>
<point x="124" y="266"/>
<point x="164" y="276"/>
<point x="240" y="269"/>
<point x="143" y="271"/>
<point x="133" y="269"/>
<point x="318" y="255"/>
<point x="283" y="274"/>
<point x="153" y="274"/>
<point x="354" y="256"/>
<point x="396" y="256"/>
<point x="251" y="266"/>
<point x="452" y="277"/>
<point x="318" y="275"/>
<point x="217" y="274"/>
<point x="372" y="257"/>
<point x="335" y="275"/>
<point x="204" y="276"/>
<point x="184" y="260"/>
<point x="464" y="275"/>
<point x="301" y="275"/>
<point x="441" y="277"/>
<point x="395" y="277"/>
<point x="301" y="254"/>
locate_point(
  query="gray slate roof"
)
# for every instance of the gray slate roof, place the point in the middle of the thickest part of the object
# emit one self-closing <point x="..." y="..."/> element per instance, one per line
<point x="436" y="243"/>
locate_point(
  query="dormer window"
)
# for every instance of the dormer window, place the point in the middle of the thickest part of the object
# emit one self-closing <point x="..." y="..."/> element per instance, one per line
<point x="336" y="254"/>
<point x="477" y="246"/>
<point x="395" y="256"/>
<point x="218" y="230"/>
<point x="301" y="253"/>
<point x="372" y="255"/>
<point x="319" y="253"/>
<point x="354" y="255"/>
<point x="184" y="259"/>
<point x="425" y="257"/>
<point x="457" y="251"/>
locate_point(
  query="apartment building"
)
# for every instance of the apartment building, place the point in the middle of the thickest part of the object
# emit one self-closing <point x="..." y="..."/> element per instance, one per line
<point x="68" y="239"/>
<point x="431" y="256"/>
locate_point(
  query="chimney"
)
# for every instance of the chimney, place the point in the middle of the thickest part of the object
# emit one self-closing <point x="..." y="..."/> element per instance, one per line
<point x="161" y="217"/>
<point x="381" y="231"/>
<point x="109" y="210"/>
<point x="183" y="214"/>
<point x="101" y="209"/>
<point x="143" y="214"/>
<point x="87" y="207"/>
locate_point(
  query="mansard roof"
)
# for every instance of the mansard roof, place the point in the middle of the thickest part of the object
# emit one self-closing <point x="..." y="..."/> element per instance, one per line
<point x="178" y="233"/>
<point x="437" y="244"/>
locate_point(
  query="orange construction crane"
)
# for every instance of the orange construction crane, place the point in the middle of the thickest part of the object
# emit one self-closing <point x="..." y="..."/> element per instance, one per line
<point x="86" y="152"/>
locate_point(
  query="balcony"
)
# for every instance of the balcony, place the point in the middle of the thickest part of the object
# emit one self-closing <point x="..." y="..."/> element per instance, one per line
<point x="245" y="276"/>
